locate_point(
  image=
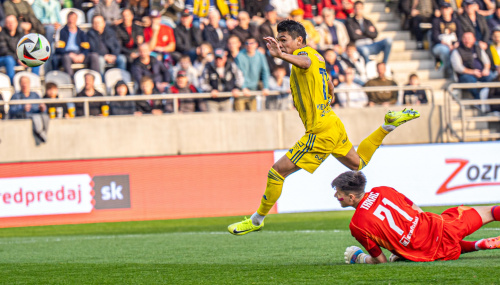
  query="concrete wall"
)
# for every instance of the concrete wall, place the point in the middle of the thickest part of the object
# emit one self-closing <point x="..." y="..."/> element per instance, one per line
<point x="128" y="136"/>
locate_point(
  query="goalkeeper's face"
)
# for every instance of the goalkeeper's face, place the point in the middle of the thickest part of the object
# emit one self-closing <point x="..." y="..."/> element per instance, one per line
<point x="343" y="198"/>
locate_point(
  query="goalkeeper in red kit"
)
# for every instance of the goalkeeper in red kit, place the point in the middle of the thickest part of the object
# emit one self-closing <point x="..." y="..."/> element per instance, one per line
<point x="386" y="218"/>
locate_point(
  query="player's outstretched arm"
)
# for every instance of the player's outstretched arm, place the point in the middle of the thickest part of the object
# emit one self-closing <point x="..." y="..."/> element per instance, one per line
<point x="300" y="61"/>
<point x="354" y="254"/>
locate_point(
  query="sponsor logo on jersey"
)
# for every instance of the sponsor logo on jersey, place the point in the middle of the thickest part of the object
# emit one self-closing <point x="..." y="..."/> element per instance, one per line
<point x="369" y="201"/>
<point x="406" y="239"/>
<point x="320" y="58"/>
<point x="477" y="175"/>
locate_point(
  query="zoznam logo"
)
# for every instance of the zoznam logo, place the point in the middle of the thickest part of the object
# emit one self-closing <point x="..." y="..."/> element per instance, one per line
<point x="111" y="192"/>
<point x="477" y="175"/>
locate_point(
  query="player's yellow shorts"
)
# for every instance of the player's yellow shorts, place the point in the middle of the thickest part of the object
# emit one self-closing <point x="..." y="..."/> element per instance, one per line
<point x="312" y="149"/>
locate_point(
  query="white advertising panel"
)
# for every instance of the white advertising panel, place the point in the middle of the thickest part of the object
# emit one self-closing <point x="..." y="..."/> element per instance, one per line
<point x="430" y="175"/>
<point x="45" y="195"/>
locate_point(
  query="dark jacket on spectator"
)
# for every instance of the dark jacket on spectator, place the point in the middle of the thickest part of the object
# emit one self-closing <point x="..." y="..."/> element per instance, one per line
<point x="265" y="30"/>
<point x="192" y="104"/>
<point x="8" y="44"/>
<point x="495" y="94"/>
<point x="380" y="97"/>
<point x="439" y="25"/>
<point x="211" y="80"/>
<point x="94" y="107"/>
<point x="419" y="94"/>
<point x="210" y="35"/>
<point x="121" y="107"/>
<point x="186" y="40"/>
<point x="468" y="57"/>
<point x="106" y="43"/>
<point x="2" y="109"/>
<point x="493" y="22"/>
<point x="243" y="34"/>
<point x="81" y="41"/>
<point x="139" y="8"/>
<point x="154" y="69"/>
<point x="62" y="106"/>
<point x="352" y="25"/>
<point x="254" y="7"/>
<point x="467" y="26"/>
<point x="123" y="38"/>
<point x="17" y="111"/>
<point x="24" y="13"/>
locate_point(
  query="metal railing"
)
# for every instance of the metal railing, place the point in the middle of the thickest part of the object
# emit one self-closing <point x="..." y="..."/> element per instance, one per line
<point x="462" y="103"/>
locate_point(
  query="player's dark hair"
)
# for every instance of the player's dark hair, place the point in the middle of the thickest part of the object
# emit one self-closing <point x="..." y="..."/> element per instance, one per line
<point x="293" y="28"/>
<point x="350" y="182"/>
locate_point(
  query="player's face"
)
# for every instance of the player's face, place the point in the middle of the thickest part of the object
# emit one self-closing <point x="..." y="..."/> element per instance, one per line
<point x="287" y="44"/>
<point x="343" y="198"/>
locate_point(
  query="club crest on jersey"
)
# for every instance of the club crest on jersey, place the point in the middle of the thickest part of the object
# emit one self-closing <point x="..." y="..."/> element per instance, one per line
<point x="303" y="53"/>
<point x="320" y="58"/>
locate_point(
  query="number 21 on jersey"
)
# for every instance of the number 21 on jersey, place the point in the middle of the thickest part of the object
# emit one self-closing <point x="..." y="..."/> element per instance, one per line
<point x="383" y="212"/>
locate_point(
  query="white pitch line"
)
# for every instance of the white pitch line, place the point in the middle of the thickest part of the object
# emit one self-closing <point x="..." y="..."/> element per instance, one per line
<point x="23" y="240"/>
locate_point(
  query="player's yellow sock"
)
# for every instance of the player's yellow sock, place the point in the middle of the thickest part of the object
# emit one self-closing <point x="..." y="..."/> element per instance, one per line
<point x="368" y="146"/>
<point x="273" y="192"/>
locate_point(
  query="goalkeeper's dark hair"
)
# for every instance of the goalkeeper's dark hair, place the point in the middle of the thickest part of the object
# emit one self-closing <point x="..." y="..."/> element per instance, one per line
<point x="294" y="29"/>
<point x="350" y="182"/>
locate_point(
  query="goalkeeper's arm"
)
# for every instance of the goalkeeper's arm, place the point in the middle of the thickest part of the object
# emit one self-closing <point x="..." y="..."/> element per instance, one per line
<point x="354" y="254"/>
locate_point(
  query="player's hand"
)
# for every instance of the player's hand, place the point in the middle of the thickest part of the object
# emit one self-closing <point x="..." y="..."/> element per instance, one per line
<point x="354" y="254"/>
<point x="273" y="47"/>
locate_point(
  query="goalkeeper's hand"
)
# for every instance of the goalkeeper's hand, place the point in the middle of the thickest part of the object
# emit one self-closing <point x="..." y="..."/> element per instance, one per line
<point x="354" y="254"/>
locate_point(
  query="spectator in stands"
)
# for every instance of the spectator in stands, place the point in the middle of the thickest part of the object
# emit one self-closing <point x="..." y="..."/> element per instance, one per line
<point x="384" y="98"/>
<point x="148" y="88"/>
<point x="351" y="58"/>
<point x="270" y="27"/>
<point x="256" y="10"/>
<point x="205" y="54"/>
<point x="221" y="75"/>
<point x="473" y="22"/>
<point x="147" y="65"/>
<point x="229" y="9"/>
<point x="284" y="8"/>
<point x="352" y="99"/>
<point x="200" y="9"/>
<point x="55" y="110"/>
<point x="471" y="63"/>
<point x="494" y="21"/>
<point x="333" y="33"/>
<point x="233" y="47"/>
<point x="244" y="30"/>
<point x="422" y="11"/>
<point x="2" y="108"/>
<point x="187" y="36"/>
<point x="486" y="7"/>
<point x="160" y="37"/>
<point x="22" y="10"/>
<point x="184" y="64"/>
<point x="412" y="97"/>
<point x="73" y="47"/>
<point x="110" y="11"/>
<point x="140" y="8"/>
<point x="35" y="112"/>
<point x="254" y="66"/>
<point x="121" y="107"/>
<point x="494" y="93"/>
<point x="169" y="11"/>
<point x="363" y="33"/>
<point x="130" y="35"/>
<point x="446" y="30"/>
<point x="48" y="12"/>
<point x="103" y="42"/>
<point x="181" y="86"/>
<point x="213" y="33"/>
<point x="312" y="10"/>
<point x="279" y="82"/>
<point x="9" y="37"/>
<point x="333" y="67"/>
<point x="95" y="108"/>
<point x="313" y="36"/>
<point x="343" y="8"/>
<point x="494" y="51"/>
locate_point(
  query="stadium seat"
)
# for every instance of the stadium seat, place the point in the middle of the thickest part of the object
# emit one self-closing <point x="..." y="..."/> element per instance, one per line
<point x="114" y="75"/>
<point x="79" y="78"/>
<point x="65" y="12"/>
<point x="5" y="87"/>
<point x="90" y="14"/>
<point x="36" y="82"/>
<point x="63" y="82"/>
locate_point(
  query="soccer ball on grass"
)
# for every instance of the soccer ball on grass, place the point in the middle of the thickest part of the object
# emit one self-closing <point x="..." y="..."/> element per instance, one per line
<point x="33" y="50"/>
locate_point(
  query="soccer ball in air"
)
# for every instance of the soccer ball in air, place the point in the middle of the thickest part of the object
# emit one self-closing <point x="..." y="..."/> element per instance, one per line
<point x="33" y="50"/>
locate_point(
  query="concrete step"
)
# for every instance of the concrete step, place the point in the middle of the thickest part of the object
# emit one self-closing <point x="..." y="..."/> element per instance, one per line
<point x="424" y="75"/>
<point x="475" y="135"/>
<point x="406" y="55"/>
<point x="483" y="136"/>
<point x="398" y="46"/>
<point x="372" y="7"/>
<point x="388" y="26"/>
<point x="381" y="17"/>
<point x="409" y="66"/>
<point x="457" y="125"/>
<point x="395" y="35"/>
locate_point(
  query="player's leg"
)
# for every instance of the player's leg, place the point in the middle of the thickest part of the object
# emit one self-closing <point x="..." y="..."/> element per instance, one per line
<point x="357" y="160"/>
<point x="488" y="214"/>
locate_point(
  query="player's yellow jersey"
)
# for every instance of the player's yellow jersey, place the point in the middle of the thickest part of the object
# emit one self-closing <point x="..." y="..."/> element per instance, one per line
<point x="310" y="92"/>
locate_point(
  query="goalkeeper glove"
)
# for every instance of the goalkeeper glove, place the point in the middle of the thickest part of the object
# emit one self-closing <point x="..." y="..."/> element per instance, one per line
<point x="354" y="254"/>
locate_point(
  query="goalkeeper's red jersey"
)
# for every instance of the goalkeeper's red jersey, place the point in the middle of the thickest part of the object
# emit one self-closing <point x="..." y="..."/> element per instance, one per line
<point x="385" y="217"/>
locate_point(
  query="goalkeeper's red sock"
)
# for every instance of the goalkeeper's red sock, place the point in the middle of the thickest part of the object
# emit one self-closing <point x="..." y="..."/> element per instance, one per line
<point x="468" y="246"/>
<point x="495" y="211"/>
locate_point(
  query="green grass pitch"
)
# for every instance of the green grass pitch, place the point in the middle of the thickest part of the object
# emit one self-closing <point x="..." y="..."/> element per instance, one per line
<point x="304" y="248"/>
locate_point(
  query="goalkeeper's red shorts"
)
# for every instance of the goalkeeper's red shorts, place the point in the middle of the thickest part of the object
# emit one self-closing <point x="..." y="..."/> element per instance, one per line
<point x="459" y="222"/>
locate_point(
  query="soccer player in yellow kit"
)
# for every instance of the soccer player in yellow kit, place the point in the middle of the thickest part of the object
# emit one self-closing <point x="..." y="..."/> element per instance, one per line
<point x="312" y="93"/>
